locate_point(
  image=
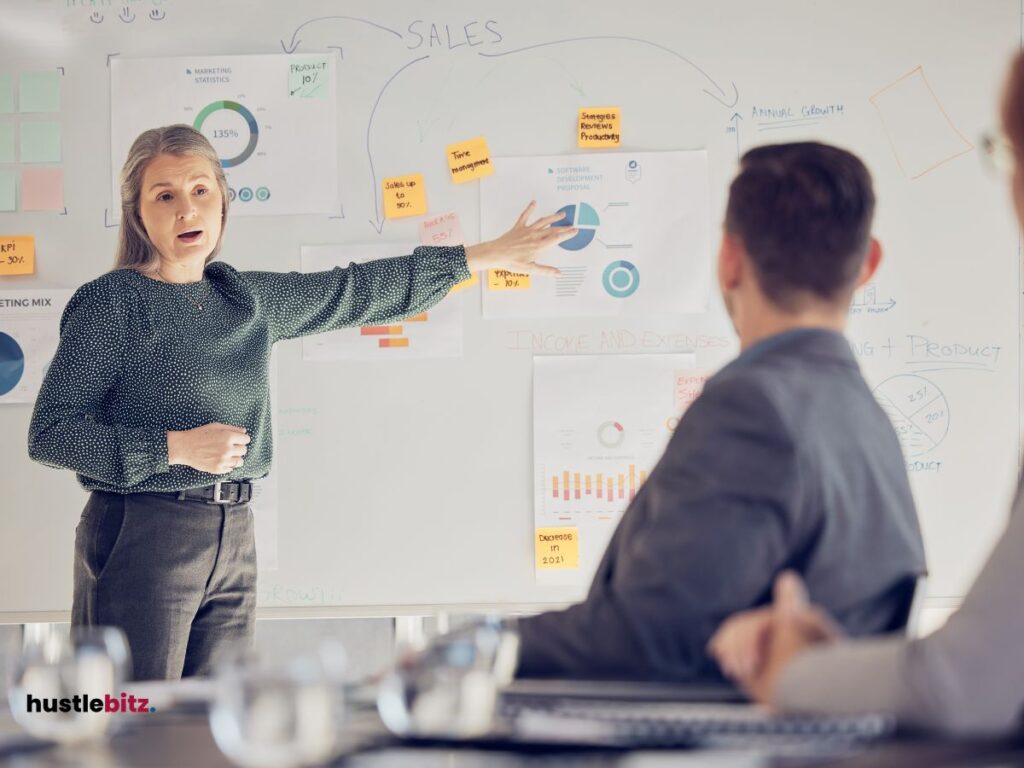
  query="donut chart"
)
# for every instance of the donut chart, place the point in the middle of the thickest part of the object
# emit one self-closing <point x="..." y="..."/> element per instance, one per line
<point x="12" y="363"/>
<point x="611" y="434"/>
<point x="621" y="279"/>
<point x="245" y="114"/>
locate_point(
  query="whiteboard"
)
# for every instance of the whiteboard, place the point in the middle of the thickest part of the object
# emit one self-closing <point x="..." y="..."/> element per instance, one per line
<point x="408" y="484"/>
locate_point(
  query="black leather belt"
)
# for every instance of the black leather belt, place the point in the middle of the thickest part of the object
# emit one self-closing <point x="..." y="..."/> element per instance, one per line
<point x="228" y="492"/>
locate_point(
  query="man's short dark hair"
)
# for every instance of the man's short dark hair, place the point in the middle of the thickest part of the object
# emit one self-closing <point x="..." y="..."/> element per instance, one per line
<point x="803" y="213"/>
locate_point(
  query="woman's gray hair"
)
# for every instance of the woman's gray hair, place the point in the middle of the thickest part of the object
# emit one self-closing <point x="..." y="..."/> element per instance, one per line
<point x="134" y="248"/>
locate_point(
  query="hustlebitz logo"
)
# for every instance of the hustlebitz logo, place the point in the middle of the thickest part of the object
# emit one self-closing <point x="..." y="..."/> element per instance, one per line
<point x="127" y="703"/>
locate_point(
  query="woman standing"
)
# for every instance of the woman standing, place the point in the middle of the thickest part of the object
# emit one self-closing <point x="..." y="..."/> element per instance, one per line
<point x="158" y="397"/>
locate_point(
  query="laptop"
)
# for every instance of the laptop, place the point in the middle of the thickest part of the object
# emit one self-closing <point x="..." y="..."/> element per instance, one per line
<point x="591" y="714"/>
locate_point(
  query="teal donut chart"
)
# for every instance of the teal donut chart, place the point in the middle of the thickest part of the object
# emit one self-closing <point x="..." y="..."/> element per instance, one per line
<point x="254" y="131"/>
<point x="621" y="279"/>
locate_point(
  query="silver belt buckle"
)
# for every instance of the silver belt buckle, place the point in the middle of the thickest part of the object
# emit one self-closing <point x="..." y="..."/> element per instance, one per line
<point x="216" y="493"/>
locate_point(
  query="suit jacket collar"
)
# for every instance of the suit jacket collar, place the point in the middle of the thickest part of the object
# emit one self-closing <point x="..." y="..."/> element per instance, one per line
<point x="821" y="343"/>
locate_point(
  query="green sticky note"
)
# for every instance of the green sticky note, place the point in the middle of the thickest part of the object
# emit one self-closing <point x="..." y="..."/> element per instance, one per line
<point x="8" y="197"/>
<point x="307" y="78"/>
<point x="6" y="93"/>
<point x="40" y="91"/>
<point x="7" y="143"/>
<point x="40" y="142"/>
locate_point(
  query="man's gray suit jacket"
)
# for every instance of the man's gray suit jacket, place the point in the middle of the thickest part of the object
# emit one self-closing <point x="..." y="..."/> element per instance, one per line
<point x="785" y="461"/>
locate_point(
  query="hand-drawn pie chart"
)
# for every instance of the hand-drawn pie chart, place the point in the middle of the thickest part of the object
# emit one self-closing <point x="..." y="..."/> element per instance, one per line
<point x="12" y="363"/>
<point x="918" y="411"/>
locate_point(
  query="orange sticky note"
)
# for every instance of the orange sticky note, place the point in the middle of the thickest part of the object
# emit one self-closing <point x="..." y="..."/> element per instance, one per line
<point x="503" y="280"/>
<point x="557" y="548"/>
<point x="17" y="255"/>
<point x="445" y="230"/>
<point x="405" y="196"/>
<point x="599" y="127"/>
<point x="469" y="160"/>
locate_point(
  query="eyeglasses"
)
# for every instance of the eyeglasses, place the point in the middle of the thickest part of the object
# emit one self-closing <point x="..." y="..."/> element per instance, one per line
<point x="997" y="154"/>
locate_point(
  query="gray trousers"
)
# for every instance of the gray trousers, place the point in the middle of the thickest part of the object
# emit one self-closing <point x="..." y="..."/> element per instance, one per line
<point x="178" y="576"/>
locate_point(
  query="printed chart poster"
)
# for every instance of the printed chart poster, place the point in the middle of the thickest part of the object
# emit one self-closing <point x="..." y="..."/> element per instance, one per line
<point x="434" y="333"/>
<point x="271" y="118"/>
<point x="644" y="242"/>
<point x="29" y="332"/>
<point x="600" y="424"/>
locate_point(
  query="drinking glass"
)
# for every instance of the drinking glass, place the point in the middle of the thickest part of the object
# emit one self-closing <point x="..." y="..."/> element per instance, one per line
<point x="284" y="712"/>
<point x="450" y="688"/>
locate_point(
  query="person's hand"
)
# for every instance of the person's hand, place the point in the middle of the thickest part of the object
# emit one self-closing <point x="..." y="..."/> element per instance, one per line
<point x="517" y="249"/>
<point x="741" y="643"/>
<point x="755" y="647"/>
<point x="214" y="448"/>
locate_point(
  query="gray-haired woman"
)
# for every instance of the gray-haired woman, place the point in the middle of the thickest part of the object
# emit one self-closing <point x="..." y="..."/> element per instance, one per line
<point x="157" y="396"/>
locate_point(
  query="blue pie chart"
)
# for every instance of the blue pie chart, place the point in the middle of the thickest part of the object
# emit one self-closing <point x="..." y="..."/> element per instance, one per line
<point x="584" y="218"/>
<point x="12" y="363"/>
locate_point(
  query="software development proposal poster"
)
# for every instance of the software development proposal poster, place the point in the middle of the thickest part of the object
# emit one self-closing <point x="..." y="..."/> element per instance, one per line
<point x="644" y="239"/>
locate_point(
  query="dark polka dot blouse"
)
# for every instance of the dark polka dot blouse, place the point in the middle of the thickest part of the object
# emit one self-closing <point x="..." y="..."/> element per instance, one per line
<point x="139" y="357"/>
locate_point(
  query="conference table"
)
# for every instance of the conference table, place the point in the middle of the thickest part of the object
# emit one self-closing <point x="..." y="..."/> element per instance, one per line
<point x="184" y="739"/>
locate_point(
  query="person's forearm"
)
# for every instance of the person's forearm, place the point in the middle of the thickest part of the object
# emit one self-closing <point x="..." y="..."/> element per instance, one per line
<point x="113" y="454"/>
<point x="478" y="256"/>
<point x="367" y="293"/>
<point x="850" y="677"/>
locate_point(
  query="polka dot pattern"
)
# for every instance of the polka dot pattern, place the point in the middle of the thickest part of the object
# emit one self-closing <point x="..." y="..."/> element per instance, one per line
<point x="139" y="357"/>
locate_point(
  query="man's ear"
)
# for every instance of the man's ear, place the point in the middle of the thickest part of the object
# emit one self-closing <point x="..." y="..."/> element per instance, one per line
<point x="871" y="262"/>
<point x="730" y="263"/>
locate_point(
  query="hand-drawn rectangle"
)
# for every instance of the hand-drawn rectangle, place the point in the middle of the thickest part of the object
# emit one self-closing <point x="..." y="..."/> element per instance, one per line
<point x="920" y="132"/>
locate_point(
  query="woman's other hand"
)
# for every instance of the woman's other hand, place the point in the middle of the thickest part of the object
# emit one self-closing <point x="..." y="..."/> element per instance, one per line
<point x="517" y="249"/>
<point x="214" y="448"/>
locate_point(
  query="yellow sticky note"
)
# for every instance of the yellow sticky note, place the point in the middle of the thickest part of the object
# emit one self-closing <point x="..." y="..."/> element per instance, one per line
<point x="17" y="255"/>
<point x="405" y="196"/>
<point x="503" y="280"/>
<point x="469" y="160"/>
<point x="599" y="127"/>
<point x="557" y="548"/>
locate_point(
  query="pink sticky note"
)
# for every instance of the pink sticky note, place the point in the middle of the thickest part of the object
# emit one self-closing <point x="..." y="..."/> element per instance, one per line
<point x="42" y="189"/>
<point x="441" y="230"/>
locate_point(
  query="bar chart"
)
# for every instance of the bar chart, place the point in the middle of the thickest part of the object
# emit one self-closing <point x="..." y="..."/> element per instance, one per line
<point x="600" y="424"/>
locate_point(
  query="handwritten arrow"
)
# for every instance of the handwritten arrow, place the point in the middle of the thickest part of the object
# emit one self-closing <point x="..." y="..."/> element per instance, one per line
<point x="719" y="95"/>
<point x="290" y="47"/>
<point x="379" y="224"/>
<point x="736" y="117"/>
<point x="574" y="82"/>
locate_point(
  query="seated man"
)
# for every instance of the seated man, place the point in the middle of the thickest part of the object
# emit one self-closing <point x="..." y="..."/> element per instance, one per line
<point x="966" y="677"/>
<point x="784" y="462"/>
